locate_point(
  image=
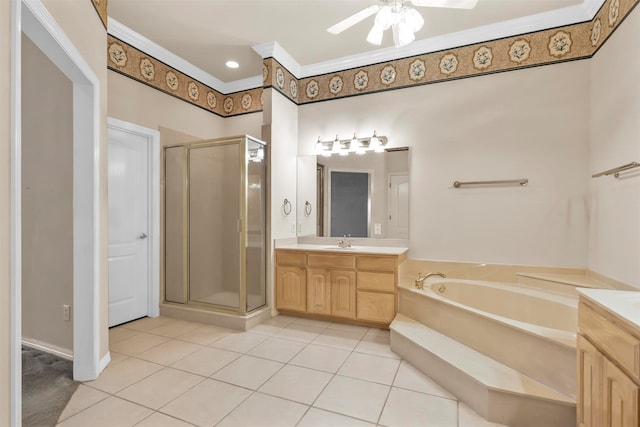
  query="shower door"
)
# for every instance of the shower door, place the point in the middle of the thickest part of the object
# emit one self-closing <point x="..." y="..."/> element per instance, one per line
<point x="215" y="224"/>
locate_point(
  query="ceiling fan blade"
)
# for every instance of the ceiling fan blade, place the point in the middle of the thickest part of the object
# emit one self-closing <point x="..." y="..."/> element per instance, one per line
<point x="353" y="19"/>
<point x="453" y="4"/>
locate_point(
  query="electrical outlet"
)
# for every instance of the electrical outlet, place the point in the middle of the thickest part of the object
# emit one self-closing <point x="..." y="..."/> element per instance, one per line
<point x="66" y="312"/>
<point x="377" y="229"/>
<point x="293" y="229"/>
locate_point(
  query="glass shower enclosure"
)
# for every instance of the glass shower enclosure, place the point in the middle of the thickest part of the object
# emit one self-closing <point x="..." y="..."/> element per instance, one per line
<point x="215" y="224"/>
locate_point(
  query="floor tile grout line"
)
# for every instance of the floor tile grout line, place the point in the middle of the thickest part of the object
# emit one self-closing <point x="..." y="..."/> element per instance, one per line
<point x="305" y="345"/>
<point x="395" y="375"/>
<point x="93" y="404"/>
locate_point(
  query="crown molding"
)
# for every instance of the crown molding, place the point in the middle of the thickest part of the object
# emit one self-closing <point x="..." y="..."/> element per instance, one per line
<point x="127" y="35"/>
<point x="277" y="52"/>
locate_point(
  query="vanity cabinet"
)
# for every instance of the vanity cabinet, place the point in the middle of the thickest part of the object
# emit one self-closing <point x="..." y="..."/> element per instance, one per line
<point x="357" y="288"/>
<point x="608" y="361"/>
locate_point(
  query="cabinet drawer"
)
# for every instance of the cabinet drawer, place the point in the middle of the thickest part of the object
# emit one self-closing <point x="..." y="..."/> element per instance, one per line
<point x="332" y="261"/>
<point x="384" y="282"/>
<point x="376" y="307"/>
<point x="619" y="345"/>
<point x="291" y="258"/>
<point x="376" y="263"/>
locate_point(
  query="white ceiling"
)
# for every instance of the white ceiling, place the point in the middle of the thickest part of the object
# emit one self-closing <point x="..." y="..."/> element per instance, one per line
<point x="207" y="33"/>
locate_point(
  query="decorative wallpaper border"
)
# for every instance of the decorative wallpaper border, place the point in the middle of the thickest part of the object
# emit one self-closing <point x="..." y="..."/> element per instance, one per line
<point x="101" y="7"/>
<point x="278" y="77"/>
<point x="561" y="44"/>
<point x="131" y="62"/>
<point x="552" y="46"/>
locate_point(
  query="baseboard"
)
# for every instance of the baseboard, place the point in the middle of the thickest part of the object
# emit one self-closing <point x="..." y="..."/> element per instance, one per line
<point x="104" y="362"/>
<point x="48" y="348"/>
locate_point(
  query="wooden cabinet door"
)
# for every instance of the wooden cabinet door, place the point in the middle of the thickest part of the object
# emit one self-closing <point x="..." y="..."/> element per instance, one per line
<point x="291" y="288"/>
<point x="343" y="293"/>
<point x="318" y="291"/>
<point x="620" y="397"/>
<point x="589" y="401"/>
<point x="376" y="306"/>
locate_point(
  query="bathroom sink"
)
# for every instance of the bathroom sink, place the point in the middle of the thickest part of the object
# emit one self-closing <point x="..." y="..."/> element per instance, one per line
<point x="338" y="248"/>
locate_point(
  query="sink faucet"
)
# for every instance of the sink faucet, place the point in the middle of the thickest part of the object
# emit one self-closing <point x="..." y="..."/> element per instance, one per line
<point x="345" y="242"/>
<point x="420" y="280"/>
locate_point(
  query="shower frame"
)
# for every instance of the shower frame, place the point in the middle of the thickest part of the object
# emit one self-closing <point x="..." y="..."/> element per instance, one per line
<point x="243" y="306"/>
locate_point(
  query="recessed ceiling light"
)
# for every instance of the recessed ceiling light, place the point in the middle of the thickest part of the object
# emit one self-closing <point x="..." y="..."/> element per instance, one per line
<point x="232" y="64"/>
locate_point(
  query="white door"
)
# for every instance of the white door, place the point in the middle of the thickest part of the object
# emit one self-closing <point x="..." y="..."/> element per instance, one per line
<point x="398" y="207"/>
<point x="128" y="226"/>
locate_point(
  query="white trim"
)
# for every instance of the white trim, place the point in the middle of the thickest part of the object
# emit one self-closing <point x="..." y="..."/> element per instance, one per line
<point x="274" y="50"/>
<point x="540" y="21"/>
<point x="153" y="211"/>
<point x="44" y="31"/>
<point x="127" y="35"/>
<point x="106" y="359"/>
<point x="48" y="348"/>
<point x="16" y="216"/>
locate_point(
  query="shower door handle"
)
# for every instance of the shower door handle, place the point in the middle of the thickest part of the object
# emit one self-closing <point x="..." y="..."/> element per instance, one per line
<point x="142" y="236"/>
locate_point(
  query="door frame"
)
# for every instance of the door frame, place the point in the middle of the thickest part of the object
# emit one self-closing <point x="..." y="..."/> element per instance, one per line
<point x="389" y="177"/>
<point x="370" y="191"/>
<point x="33" y="19"/>
<point x="153" y="208"/>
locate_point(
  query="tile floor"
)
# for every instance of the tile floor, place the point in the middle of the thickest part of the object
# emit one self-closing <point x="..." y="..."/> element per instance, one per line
<point x="285" y="372"/>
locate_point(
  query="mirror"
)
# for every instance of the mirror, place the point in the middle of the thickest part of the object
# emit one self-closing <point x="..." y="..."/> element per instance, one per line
<point x="361" y="195"/>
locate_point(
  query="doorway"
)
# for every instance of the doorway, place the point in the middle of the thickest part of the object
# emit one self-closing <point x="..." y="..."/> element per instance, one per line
<point x="133" y="171"/>
<point x="33" y="20"/>
<point x="349" y="197"/>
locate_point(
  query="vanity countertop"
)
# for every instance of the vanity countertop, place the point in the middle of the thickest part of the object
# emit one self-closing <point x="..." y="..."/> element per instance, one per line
<point x="624" y="304"/>
<point x="373" y="250"/>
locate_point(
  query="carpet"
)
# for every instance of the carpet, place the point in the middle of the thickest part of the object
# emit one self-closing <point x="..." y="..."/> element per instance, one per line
<point x="47" y="386"/>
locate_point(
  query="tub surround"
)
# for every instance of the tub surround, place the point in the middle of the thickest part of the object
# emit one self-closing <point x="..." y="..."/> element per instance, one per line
<point x="531" y="332"/>
<point x="608" y="358"/>
<point x="356" y="284"/>
<point x="557" y="279"/>
<point x="497" y="392"/>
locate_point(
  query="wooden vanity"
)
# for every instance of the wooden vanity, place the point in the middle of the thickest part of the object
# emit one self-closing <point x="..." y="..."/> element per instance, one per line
<point x="608" y="350"/>
<point x="343" y="285"/>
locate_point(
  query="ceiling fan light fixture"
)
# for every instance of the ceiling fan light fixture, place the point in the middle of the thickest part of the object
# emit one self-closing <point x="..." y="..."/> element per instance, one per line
<point x="402" y="34"/>
<point x="375" y="35"/>
<point x="385" y="18"/>
<point x="413" y="18"/>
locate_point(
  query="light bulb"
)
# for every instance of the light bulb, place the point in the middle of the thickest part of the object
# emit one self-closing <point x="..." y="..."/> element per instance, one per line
<point x="353" y="146"/>
<point x="335" y="147"/>
<point x="375" y="142"/>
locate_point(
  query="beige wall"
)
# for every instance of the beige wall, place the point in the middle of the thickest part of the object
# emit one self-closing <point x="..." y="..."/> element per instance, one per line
<point x="614" y="240"/>
<point x="47" y="200"/>
<point x="524" y="124"/>
<point x="80" y="22"/>
<point x="137" y="103"/>
<point x="5" y="206"/>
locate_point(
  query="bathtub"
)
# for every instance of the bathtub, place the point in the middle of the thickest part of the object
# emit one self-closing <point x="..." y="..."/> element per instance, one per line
<point x="527" y="329"/>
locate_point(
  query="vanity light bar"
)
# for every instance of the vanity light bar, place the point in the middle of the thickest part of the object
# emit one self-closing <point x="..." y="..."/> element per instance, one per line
<point x="353" y="145"/>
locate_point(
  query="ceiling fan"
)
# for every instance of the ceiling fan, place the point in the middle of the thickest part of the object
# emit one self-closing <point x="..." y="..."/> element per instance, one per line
<point x="404" y="20"/>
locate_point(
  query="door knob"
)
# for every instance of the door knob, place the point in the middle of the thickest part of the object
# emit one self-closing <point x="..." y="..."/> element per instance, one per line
<point x="142" y="236"/>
